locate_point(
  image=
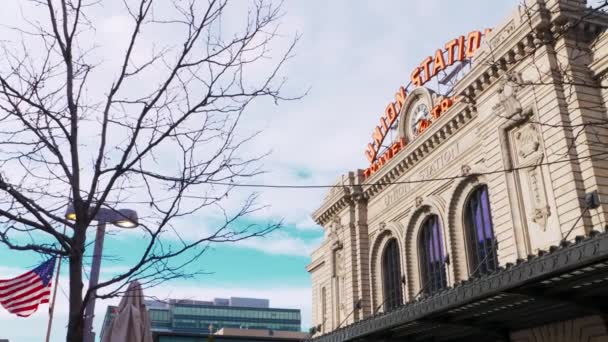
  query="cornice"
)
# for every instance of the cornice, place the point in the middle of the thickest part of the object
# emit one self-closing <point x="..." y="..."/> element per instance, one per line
<point x="344" y="191"/>
<point x="506" y="46"/>
<point x="458" y="116"/>
<point x="314" y="265"/>
<point x="552" y="266"/>
<point x="523" y="34"/>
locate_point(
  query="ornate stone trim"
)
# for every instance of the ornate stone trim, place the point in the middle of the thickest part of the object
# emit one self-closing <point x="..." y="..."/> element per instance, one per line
<point x="461" y="192"/>
<point x="440" y="131"/>
<point x="377" y="245"/>
<point x="346" y="192"/>
<point x="491" y="64"/>
<point x="560" y="260"/>
<point x="315" y="265"/>
<point x="430" y="206"/>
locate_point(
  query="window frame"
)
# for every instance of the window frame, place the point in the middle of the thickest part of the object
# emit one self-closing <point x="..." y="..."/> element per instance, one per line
<point x="387" y="304"/>
<point x="473" y="262"/>
<point x="424" y="267"/>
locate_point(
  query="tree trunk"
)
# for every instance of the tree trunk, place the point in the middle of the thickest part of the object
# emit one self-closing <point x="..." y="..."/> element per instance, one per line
<point x="76" y="317"/>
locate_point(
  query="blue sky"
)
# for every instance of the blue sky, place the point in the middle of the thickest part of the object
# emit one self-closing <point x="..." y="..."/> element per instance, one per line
<point x="353" y="56"/>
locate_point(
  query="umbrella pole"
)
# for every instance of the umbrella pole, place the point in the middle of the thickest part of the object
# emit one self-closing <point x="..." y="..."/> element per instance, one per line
<point x="52" y="306"/>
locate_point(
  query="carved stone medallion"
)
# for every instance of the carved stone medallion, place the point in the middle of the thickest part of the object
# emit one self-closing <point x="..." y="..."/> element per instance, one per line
<point x="527" y="141"/>
<point x="466" y="170"/>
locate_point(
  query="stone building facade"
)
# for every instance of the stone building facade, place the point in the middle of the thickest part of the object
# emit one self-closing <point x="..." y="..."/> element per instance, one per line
<point x="510" y="169"/>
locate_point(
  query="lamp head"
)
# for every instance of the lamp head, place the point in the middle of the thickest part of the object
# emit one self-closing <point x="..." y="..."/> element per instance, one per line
<point x="123" y="218"/>
<point x="127" y="219"/>
<point x="70" y="214"/>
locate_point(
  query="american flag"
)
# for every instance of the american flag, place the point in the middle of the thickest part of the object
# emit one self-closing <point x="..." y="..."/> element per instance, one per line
<point x="23" y="294"/>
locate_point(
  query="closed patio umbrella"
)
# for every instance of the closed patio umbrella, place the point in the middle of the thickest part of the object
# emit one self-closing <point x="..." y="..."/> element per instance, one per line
<point x="132" y="322"/>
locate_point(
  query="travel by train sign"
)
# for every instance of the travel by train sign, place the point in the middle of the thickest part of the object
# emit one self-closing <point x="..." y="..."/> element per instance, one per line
<point x="455" y="51"/>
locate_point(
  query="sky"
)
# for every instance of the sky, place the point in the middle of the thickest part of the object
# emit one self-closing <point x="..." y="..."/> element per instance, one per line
<point x="352" y="57"/>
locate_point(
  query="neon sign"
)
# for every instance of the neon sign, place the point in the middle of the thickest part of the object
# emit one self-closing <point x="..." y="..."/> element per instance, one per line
<point x="456" y="50"/>
<point x="401" y="143"/>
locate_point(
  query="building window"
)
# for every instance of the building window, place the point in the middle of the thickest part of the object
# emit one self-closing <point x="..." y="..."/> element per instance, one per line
<point x="432" y="256"/>
<point x="479" y="231"/>
<point x="391" y="276"/>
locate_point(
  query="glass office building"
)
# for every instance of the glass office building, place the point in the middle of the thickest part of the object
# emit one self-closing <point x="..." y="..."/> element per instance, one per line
<point x="205" y="317"/>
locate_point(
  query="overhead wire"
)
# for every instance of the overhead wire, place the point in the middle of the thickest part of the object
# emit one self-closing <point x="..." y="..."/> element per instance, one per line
<point x="321" y="186"/>
<point x="367" y="184"/>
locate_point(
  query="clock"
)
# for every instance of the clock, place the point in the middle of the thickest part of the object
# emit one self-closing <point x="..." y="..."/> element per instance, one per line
<point x="420" y="118"/>
<point x="416" y="114"/>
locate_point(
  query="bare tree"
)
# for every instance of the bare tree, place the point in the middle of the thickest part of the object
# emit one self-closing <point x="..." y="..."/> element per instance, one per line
<point x="159" y="129"/>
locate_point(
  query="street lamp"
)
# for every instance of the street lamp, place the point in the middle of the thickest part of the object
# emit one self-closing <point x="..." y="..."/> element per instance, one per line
<point x="123" y="218"/>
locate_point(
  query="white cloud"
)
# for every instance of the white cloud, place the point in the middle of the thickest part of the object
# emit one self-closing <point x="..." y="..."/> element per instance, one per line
<point x="354" y="56"/>
<point x="308" y="224"/>
<point x="280" y="243"/>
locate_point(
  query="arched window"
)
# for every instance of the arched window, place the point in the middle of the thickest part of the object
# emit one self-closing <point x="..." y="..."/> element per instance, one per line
<point x="432" y="256"/>
<point x="391" y="276"/>
<point x="479" y="231"/>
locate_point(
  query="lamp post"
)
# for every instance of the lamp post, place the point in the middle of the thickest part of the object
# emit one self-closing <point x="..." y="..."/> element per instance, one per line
<point x="123" y="218"/>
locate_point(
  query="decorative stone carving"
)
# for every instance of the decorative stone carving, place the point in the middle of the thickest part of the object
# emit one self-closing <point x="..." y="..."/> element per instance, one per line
<point x="466" y="170"/>
<point x="382" y="226"/>
<point x="510" y="85"/>
<point x="527" y="141"/>
<point x="541" y="216"/>
<point x="541" y="210"/>
<point x="339" y="263"/>
<point x="334" y="229"/>
<point x="340" y="277"/>
<point x="338" y="269"/>
<point x="525" y="144"/>
<point x="503" y="34"/>
<point x="418" y="201"/>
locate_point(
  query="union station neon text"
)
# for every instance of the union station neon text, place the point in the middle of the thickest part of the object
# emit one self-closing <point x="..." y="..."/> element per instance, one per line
<point x="456" y="50"/>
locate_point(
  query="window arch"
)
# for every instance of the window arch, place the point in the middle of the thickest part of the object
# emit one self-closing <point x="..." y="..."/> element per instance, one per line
<point x="391" y="276"/>
<point x="432" y="256"/>
<point x="479" y="233"/>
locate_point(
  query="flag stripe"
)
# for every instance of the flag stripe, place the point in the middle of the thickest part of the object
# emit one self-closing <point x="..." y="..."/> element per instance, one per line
<point x="17" y="281"/>
<point x="27" y="311"/>
<point x="31" y="292"/>
<point x="23" y="294"/>
<point x="10" y="281"/>
<point x="20" y="287"/>
<point x="21" y="291"/>
<point x="36" y="299"/>
<point x="24" y="299"/>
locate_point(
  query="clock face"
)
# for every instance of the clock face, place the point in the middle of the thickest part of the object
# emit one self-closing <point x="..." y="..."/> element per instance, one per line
<point x="420" y="118"/>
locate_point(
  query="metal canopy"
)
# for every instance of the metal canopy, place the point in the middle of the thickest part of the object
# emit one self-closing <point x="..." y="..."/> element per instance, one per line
<point x="567" y="282"/>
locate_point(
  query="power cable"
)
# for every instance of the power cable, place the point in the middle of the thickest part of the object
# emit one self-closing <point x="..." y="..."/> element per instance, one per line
<point x="483" y="261"/>
<point x="325" y="186"/>
<point x="574" y="225"/>
<point x="392" y="295"/>
<point x="357" y="306"/>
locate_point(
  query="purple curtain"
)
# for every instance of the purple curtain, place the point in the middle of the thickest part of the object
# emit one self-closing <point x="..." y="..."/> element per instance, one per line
<point x="480" y="233"/>
<point x="432" y="255"/>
